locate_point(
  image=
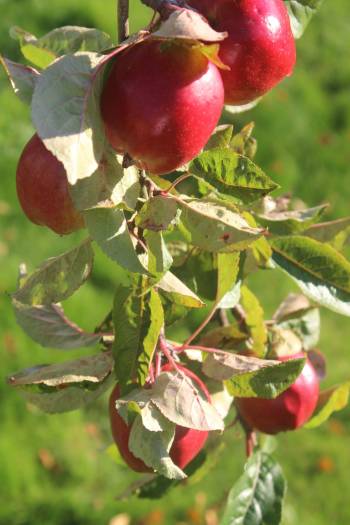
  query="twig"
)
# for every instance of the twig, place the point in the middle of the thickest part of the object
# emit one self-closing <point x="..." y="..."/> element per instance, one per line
<point x="223" y="317"/>
<point x="202" y="325"/>
<point x="240" y="316"/>
<point x="123" y="20"/>
<point x="178" y="181"/>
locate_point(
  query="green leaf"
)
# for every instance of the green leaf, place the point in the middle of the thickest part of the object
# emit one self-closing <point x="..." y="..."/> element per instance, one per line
<point x="57" y="278"/>
<point x="322" y="273"/>
<point x="252" y="377"/>
<point x="300" y="14"/>
<point x="329" y="231"/>
<point x="49" y="326"/>
<point x="243" y="142"/>
<point x="180" y="401"/>
<point x="254" y="321"/>
<point x="179" y="292"/>
<point x="22" y="78"/>
<point x="291" y="222"/>
<point x="159" y="258"/>
<point x="153" y="448"/>
<point x="257" y="497"/>
<point x="232" y="174"/>
<point x="65" y="386"/>
<point x="108" y="227"/>
<point x="331" y="400"/>
<point x="110" y="185"/>
<point x="220" y="138"/>
<point x="66" y="113"/>
<point x="216" y="228"/>
<point x="61" y="41"/>
<point x="158" y="213"/>
<point x="228" y="288"/>
<point x="226" y="337"/>
<point x="138" y="319"/>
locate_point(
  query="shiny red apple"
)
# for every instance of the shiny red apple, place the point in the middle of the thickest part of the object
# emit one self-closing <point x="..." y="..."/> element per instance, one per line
<point x="160" y="104"/>
<point x="288" y="411"/>
<point x="42" y="189"/>
<point x="187" y="443"/>
<point x="259" y="49"/>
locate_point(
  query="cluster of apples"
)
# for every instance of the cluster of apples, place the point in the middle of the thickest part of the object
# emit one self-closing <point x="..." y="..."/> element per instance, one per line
<point x="163" y="99"/>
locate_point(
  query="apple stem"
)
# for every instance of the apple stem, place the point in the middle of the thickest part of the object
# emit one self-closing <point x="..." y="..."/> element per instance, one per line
<point x="240" y="316"/>
<point x="123" y="19"/>
<point x="250" y="442"/>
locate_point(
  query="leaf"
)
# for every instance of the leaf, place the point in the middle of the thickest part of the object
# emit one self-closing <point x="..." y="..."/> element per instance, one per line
<point x="108" y="227"/>
<point x="232" y="174"/>
<point x="300" y="14"/>
<point x="178" y="399"/>
<point x="293" y="306"/>
<point x="235" y="110"/>
<point x="61" y="41"/>
<point x="284" y="342"/>
<point x="179" y="292"/>
<point x="254" y="321"/>
<point x="22" y="78"/>
<point x="48" y="326"/>
<point x="250" y="376"/>
<point x="220" y="138"/>
<point x="228" y="288"/>
<point x="66" y="114"/>
<point x="153" y="448"/>
<point x="158" y="213"/>
<point x="138" y="319"/>
<point x="189" y="25"/>
<point x="296" y="314"/>
<point x="331" y="400"/>
<point x="257" y="497"/>
<point x="66" y="386"/>
<point x="328" y="231"/>
<point x="215" y="228"/>
<point x="291" y="222"/>
<point x="57" y="278"/>
<point x="319" y="270"/>
<point x="110" y="185"/>
<point x="226" y="337"/>
<point x="159" y="258"/>
<point x="243" y="143"/>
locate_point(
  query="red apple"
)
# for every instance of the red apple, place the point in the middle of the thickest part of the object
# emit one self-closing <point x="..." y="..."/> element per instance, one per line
<point x="187" y="442"/>
<point x="259" y="49"/>
<point x="42" y="189"/>
<point x="288" y="411"/>
<point x="160" y="104"/>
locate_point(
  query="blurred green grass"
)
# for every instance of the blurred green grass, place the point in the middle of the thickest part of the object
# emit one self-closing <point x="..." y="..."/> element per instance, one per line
<point x="54" y="469"/>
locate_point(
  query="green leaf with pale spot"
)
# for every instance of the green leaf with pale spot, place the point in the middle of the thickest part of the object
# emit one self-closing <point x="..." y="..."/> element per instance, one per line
<point x="322" y="273"/>
<point x="232" y="174"/>
<point x="254" y="321"/>
<point x="108" y="227"/>
<point x="178" y="292"/>
<point x="246" y="376"/>
<point x="158" y="213"/>
<point x="331" y="400"/>
<point x="300" y="14"/>
<point x="257" y="497"/>
<point x="138" y="319"/>
<point x="57" y="278"/>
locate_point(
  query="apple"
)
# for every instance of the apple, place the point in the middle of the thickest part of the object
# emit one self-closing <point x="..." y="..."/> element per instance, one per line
<point x="160" y="103"/>
<point x="42" y="189"/>
<point x="187" y="443"/>
<point x="288" y="411"/>
<point x="259" y="49"/>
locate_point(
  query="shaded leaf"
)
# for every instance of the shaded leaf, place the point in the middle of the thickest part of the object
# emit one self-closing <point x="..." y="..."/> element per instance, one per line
<point x="226" y="337"/>
<point x="57" y="278"/>
<point x="215" y="227"/>
<point x="328" y="231"/>
<point x="22" y="78"/>
<point x="48" y="326"/>
<point x="179" y="292"/>
<point x="305" y="322"/>
<point x="293" y="306"/>
<point x="289" y="222"/>
<point x="331" y="400"/>
<point x="254" y="321"/>
<point x="257" y="497"/>
<point x="300" y="14"/>
<point x="66" y="114"/>
<point x="232" y="174"/>
<point x="250" y="376"/>
<point x="322" y="273"/>
<point x="159" y="258"/>
<point x="284" y="342"/>
<point x="158" y="213"/>
<point x="108" y="227"/>
<point x="189" y="25"/>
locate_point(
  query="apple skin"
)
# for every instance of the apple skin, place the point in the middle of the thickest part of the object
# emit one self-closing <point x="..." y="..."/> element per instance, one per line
<point x="288" y="411"/>
<point x="260" y="47"/>
<point x="160" y="104"/>
<point x="187" y="443"/>
<point x="42" y="189"/>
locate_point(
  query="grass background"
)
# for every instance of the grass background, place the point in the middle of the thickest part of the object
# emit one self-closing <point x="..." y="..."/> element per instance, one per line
<point x="54" y="470"/>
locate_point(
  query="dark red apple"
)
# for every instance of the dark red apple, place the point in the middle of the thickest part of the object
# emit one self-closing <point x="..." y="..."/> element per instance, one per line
<point x="259" y="49"/>
<point x="160" y="104"/>
<point x="187" y="442"/>
<point x="288" y="411"/>
<point x="42" y="189"/>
